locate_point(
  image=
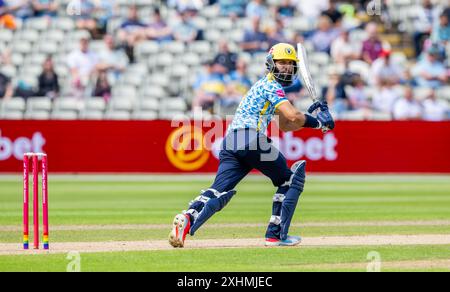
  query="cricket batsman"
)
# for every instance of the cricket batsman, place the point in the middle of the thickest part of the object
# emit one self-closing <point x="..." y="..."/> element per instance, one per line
<point x="246" y="147"/>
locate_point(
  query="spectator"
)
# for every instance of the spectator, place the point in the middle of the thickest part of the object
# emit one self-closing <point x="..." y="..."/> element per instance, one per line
<point x="342" y="50"/>
<point x="276" y="35"/>
<point x="48" y="80"/>
<point x="407" y="108"/>
<point x="325" y="35"/>
<point x="435" y="109"/>
<point x="85" y="19"/>
<point x="6" y="88"/>
<point x="82" y="64"/>
<point x="232" y="8"/>
<point x="131" y="32"/>
<point x="237" y="85"/>
<point x="186" y="5"/>
<point x="106" y="10"/>
<point x="111" y="60"/>
<point x="312" y="9"/>
<point x="185" y="31"/>
<point x="45" y="7"/>
<point x="358" y="98"/>
<point x="441" y="34"/>
<point x="430" y="72"/>
<point x="226" y="58"/>
<point x="385" y="98"/>
<point x="7" y="20"/>
<point x="333" y="13"/>
<point x="209" y="87"/>
<point x="335" y="93"/>
<point x="385" y="69"/>
<point x="372" y="47"/>
<point x="102" y="87"/>
<point x="255" y="40"/>
<point x="256" y="8"/>
<point x="20" y="8"/>
<point x="423" y="20"/>
<point x="286" y="9"/>
<point x="158" y="30"/>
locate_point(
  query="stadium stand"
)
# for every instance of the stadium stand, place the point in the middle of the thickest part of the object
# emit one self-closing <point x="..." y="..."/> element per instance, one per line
<point x="159" y="82"/>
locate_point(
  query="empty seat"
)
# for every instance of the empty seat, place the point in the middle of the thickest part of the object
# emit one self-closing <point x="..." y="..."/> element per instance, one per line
<point x="6" y="36"/>
<point x="121" y="104"/>
<point x="191" y="59"/>
<point x="9" y="70"/>
<point x="174" y="104"/>
<point x="48" y="47"/>
<point x="38" y="23"/>
<point x="36" y="59"/>
<point x="145" y="115"/>
<point x="65" y="24"/>
<point x="200" y="47"/>
<point x="223" y="23"/>
<point x="174" y="47"/>
<point x="118" y="115"/>
<point x="132" y="79"/>
<point x="22" y="47"/>
<point x="173" y="115"/>
<point x="14" y="104"/>
<point x="443" y="93"/>
<point x="67" y="104"/>
<point x="125" y="91"/>
<point x="55" y="35"/>
<point x="12" y="115"/>
<point x="64" y="115"/>
<point x="153" y="91"/>
<point x="179" y="71"/>
<point x="95" y="104"/>
<point x="92" y="115"/>
<point x="164" y="60"/>
<point x="38" y="115"/>
<point x="39" y="104"/>
<point x="147" y="48"/>
<point x="29" y="35"/>
<point x="149" y="104"/>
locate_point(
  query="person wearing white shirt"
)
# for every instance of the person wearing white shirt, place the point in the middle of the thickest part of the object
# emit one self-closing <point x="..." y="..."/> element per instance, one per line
<point x="407" y="108"/>
<point x="384" y="69"/>
<point x="385" y="98"/>
<point x="82" y="64"/>
<point x="435" y="109"/>
<point x="342" y="50"/>
<point x="113" y="61"/>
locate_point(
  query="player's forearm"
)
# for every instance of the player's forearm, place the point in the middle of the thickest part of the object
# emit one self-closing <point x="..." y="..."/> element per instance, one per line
<point x="294" y="123"/>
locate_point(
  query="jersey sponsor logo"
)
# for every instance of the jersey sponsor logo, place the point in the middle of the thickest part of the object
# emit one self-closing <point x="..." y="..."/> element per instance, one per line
<point x="185" y="148"/>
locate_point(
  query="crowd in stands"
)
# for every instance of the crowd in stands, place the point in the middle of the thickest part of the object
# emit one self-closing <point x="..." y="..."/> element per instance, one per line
<point x="358" y="76"/>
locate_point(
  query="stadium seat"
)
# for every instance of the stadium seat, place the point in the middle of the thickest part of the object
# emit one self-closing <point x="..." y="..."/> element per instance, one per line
<point x="213" y="35"/>
<point x="421" y="93"/>
<point x="14" y="104"/>
<point x="200" y="47"/>
<point x="65" y="24"/>
<point x="8" y="70"/>
<point x="48" y="47"/>
<point x="64" y="115"/>
<point x="360" y="67"/>
<point x="145" y="115"/>
<point x="36" y="59"/>
<point x="173" y="115"/>
<point x="121" y="104"/>
<point x="301" y="24"/>
<point x="161" y="80"/>
<point x="37" y="115"/>
<point x="179" y="71"/>
<point x="39" y="104"/>
<point x="443" y="93"/>
<point x="174" y="47"/>
<point x="118" y="115"/>
<point x="379" y="116"/>
<point x="224" y="24"/>
<point x="149" y="104"/>
<point x="67" y="104"/>
<point x="321" y="59"/>
<point x="92" y="115"/>
<point x="22" y="47"/>
<point x="173" y="104"/>
<point x="132" y="79"/>
<point x="29" y="35"/>
<point x="153" y="91"/>
<point x="55" y="35"/>
<point x="38" y="23"/>
<point x="126" y="91"/>
<point x="6" y="36"/>
<point x="12" y="115"/>
<point x="95" y="104"/>
<point x="164" y="60"/>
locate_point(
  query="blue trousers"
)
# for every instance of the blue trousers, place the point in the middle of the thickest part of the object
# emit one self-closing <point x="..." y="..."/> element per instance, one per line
<point x="245" y="150"/>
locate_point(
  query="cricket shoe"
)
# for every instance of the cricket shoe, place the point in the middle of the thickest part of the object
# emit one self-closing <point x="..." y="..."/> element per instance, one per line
<point x="289" y="241"/>
<point x="181" y="226"/>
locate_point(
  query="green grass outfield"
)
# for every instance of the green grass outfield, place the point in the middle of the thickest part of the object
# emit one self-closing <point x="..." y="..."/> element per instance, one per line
<point x="140" y="208"/>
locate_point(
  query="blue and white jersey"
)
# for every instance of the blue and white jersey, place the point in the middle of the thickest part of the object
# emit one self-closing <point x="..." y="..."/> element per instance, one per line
<point x="258" y="107"/>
